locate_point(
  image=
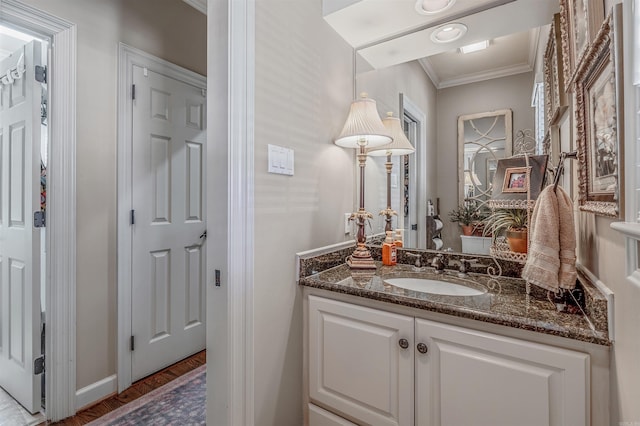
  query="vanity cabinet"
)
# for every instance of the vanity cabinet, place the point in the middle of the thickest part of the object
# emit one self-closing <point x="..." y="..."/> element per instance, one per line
<point x="368" y="366"/>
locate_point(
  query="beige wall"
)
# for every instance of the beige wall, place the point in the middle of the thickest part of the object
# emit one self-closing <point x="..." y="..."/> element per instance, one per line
<point x="384" y="86"/>
<point x="303" y="92"/>
<point x="166" y="28"/>
<point x="513" y="92"/>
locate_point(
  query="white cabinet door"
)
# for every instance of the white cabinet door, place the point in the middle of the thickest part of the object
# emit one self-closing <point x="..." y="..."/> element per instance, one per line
<point x="474" y="378"/>
<point x="356" y="364"/>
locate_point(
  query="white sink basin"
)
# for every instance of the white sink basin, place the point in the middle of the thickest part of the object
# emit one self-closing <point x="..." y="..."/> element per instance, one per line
<point x="434" y="287"/>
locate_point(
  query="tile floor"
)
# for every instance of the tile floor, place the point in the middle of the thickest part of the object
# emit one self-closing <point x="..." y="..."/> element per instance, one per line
<point x="12" y="413"/>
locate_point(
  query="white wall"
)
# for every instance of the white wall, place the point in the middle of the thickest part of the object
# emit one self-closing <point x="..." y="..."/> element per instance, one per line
<point x="169" y="29"/>
<point x="303" y="88"/>
<point x="513" y="92"/>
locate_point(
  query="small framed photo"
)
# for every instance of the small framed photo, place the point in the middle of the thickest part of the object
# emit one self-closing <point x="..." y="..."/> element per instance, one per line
<point x="515" y="179"/>
<point x="515" y="176"/>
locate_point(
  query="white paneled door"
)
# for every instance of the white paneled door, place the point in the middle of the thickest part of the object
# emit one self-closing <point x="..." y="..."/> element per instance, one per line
<point x="168" y="269"/>
<point x="20" y="96"/>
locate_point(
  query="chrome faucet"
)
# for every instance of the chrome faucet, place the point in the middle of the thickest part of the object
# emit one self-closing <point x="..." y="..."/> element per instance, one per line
<point x="439" y="263"/>
<point x="463" y="269"/>
<point x="418" y="264"/>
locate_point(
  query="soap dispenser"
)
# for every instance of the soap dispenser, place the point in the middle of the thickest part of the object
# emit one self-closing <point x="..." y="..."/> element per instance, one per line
<point x="398" y="238"/>
<point x="389" y="250"/>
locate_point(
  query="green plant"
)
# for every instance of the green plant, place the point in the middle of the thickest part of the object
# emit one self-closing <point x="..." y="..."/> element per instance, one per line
<point x="465" y="214"/>
<point x="506" y="220"/>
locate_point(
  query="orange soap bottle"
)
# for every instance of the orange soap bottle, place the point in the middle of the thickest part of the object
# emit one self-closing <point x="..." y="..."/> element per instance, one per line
<point x="398" y="238"/>
<point x="389" y="250"/>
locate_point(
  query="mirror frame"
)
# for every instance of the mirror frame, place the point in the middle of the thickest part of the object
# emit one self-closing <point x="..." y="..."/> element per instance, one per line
<point x="508" y="142"/>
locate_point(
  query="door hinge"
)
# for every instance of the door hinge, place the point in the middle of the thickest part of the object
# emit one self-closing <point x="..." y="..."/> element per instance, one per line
<point x="133" y="92"/>
<point x="38" y="365"/>
<point x="39" y="219"/>
<point x="41" y="74"/>
<point x="414" y="227"/>
<point x="132" y="344"/>
<point x="133" y="217"/>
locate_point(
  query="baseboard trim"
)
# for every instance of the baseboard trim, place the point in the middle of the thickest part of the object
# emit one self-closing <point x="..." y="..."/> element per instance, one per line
<point x="96" y="392"/>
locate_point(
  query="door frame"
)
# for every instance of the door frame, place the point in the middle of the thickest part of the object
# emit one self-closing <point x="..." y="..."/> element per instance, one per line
<point x="410" y="108"/>
<point x="128" y="57"/>
<point x="60" y="343"/>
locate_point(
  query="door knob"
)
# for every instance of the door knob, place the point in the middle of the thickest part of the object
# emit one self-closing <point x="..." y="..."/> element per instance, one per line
<point x="422" y="348"/>
<point x="404" y="343"/>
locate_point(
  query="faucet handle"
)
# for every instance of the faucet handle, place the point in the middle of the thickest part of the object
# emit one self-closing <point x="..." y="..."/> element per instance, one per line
<point x="418" y="257"/>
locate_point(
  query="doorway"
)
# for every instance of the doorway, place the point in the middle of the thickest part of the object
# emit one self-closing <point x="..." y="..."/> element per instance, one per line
<point x="60" y="241"/>
<point x="23" y="158"/>
<point x="161" y="214"/>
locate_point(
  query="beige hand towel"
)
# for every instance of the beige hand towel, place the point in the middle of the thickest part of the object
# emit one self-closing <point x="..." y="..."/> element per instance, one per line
<point x="567" y="275"/>
<point x="543" y="261"/>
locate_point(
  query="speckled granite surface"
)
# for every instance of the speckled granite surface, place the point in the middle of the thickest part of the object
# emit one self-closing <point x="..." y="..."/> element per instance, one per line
<point x="505" y="301"/>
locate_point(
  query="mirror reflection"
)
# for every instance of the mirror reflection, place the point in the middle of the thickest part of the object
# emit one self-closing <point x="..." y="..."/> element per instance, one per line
<point x="432" y="93"/>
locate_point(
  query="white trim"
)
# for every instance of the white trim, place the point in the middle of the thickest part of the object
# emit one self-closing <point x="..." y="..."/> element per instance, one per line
<point x="230" y="197"/>
<point x="426" y="65"/>
<point x="412" y="109"/>
<point x="200" y="5"/>
<point x="474" y="77"/>
<point x="128" y="57"/>
<point x="61" y="209"/>
<point x="95" y="392"/>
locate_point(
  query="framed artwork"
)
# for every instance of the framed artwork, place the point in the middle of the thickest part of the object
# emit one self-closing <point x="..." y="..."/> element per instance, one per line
<point x="600" y="121"/>
<point x="555" y="96"/>
<point x="515" y="175"/>
<point x="515" y="179"/>
<point x="579" y="22"/>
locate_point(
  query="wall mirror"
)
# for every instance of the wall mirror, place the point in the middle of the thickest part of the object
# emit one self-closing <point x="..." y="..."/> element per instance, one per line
<point x="430" y="85"/>
<point x="483" y="139"/>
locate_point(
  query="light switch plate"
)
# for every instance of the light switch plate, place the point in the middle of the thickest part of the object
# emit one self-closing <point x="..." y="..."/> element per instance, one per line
<point x="280" y="160"/>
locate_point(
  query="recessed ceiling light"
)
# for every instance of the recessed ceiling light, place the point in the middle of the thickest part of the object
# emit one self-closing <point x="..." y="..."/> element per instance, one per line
<point x="474" y="47"/>
<point x="448" y="32"/>
<point x="431" y="7"/>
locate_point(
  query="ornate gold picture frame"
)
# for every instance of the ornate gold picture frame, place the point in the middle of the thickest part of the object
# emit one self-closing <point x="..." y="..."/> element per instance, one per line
<point x="555" y="95"/>
<point x="579" y="22"/>
<point x="600" y="121"/>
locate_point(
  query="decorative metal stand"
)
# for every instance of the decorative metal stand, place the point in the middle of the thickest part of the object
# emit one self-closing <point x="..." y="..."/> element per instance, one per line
<point x="388" y="212"/>
<point x="361" y="257"/>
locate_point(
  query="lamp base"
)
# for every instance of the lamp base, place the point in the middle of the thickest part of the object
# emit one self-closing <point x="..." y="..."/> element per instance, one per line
<point x="361" y="258"/>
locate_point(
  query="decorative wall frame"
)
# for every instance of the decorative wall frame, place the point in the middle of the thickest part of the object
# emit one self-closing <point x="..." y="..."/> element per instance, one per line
<point x="579" y="22"/>
<point x="600" y="121"/>
<point x="516" y="175"/>
<point x="555" y="95"/>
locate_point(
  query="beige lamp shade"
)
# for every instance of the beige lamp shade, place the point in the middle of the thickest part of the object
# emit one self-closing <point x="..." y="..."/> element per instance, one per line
<point x="400" y="144"/>
<point x="363" y="126"/>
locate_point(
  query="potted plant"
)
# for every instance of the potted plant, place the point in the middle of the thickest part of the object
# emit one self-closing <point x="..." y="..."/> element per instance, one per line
<point x="466" y="215"/>
<point x="511" y="222"/>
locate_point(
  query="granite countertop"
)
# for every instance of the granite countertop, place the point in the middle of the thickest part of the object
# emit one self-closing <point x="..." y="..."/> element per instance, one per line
<point x="505" y="302"/>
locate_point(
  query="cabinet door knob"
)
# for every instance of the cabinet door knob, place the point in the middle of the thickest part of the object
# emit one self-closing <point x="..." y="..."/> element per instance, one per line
<point x="404" y="343"/>
<point x="422" y="348"/>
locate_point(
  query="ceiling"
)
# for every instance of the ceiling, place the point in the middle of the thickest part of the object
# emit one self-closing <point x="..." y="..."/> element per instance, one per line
<point x="390" y="32"/>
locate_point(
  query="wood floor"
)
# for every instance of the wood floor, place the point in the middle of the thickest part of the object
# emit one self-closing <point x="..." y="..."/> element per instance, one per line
<point x="138" y="389"/>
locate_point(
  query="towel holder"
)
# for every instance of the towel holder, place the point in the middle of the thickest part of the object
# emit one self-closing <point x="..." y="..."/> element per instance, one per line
<point x="560" y="169"/>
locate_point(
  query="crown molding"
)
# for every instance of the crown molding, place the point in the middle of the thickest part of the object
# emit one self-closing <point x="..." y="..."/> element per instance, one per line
<point x="431" y="73"/>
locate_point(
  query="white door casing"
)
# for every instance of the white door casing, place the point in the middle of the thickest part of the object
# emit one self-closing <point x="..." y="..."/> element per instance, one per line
<point x="168" y="291"/>
<point x="60" y="346"/>
<point x="20" y="309"/>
